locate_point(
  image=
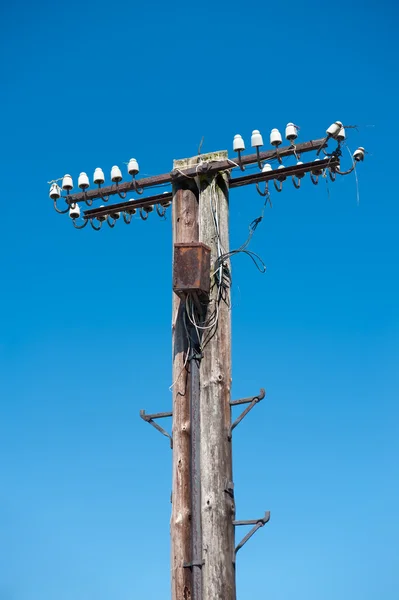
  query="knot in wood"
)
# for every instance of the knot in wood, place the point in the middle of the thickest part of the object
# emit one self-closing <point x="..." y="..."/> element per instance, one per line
<point x="185" y="427"/>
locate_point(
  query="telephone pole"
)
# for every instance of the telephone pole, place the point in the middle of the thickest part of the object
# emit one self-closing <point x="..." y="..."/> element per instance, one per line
<point x="185" y="230"/>
<point x="203" y="550"/>
<point x="218" y="508"/>
<point x="202" y="494"/>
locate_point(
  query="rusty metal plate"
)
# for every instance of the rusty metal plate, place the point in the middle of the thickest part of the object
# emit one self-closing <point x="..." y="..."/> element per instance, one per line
<point x="191" y="268"/>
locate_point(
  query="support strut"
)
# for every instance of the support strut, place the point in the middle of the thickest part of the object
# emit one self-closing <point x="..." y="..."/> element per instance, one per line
<point x="257" y="524"/>
<point x="151" y="420"/>
<point x="251" y="401"/>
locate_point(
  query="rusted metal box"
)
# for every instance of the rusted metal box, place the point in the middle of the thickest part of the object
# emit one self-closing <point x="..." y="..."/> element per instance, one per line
<point x="191" y="269"/>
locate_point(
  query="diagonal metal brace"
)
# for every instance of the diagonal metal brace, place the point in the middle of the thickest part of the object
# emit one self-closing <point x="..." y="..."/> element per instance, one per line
<point x="251" y="403"/>
<point x="257" y="524"/>
<point x="150" y="419"/>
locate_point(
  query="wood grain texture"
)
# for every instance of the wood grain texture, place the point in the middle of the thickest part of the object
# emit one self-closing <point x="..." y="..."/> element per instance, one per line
<point x="185" y="229"/>
<point x="218" y="508"/>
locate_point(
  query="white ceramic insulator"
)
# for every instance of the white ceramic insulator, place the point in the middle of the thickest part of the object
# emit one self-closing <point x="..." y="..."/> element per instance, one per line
<point x="341" y="135"/>
<point x="334" y="129"/>
<point x="116" y="175"/>
<point x="300" y="175"/>
<point x="238" y="143"/>
<point x="132" y="211"/>
<point x="98" y="176"/>
<point x="74" y="212"/>
<point x="358" y="155"/>
<point x="67" y="183"/>
<point x="256" y="139"/>
<point x="133" y="167"/>
<point x="291" y="132"/>
<point x="281" y="177"/>
<point x="55" y="191"/>
<point x="101" y="217"/>
<point x="317" y="170"/>
<point x="275" y="137"/>
<point x="83" y="181"/>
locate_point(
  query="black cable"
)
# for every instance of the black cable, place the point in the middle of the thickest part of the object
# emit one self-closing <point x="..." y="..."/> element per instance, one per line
<point x="258" y="262"/>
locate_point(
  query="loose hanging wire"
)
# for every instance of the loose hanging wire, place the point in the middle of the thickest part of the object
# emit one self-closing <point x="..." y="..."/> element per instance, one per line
<point x="356" y="177"/>
<point x="221" y="276"/>
<point x="260" y="265"/>
<point x="188" y="351"/>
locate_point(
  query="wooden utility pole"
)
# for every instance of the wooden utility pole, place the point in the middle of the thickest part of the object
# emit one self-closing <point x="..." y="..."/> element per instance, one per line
<point x="218" y="509"/>
<point x="185" y="229"/>
<point x="202" y="214"/>
<point x="203" y="509"/>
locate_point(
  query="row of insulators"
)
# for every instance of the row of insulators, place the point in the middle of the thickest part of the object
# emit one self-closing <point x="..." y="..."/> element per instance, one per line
<point x="335" y="131"/>
<point x="315" y="171"/>
<point x="98" y="179"/>
<point x="74" y="211"/>
<point x="358" y="156"/>
<point x="291" y="134"/>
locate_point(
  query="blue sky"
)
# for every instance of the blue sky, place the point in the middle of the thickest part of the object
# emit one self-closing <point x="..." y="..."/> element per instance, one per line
<point x="85" y="328"/>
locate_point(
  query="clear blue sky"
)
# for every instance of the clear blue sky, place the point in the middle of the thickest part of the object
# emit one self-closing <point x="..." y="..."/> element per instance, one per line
<point x="85" y="327"/>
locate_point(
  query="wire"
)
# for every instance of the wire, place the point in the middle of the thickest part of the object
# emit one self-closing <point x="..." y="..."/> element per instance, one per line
<point x="206" y="328"/>
<point x="260" y="265"/>
<point x="211" y="321"/>
<point x="186" y="357"/>
<point x="213" y="201"/>
<point x="356" y="177"/>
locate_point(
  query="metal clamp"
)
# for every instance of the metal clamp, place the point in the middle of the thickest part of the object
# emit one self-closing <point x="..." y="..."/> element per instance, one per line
<point x="251" y="401"/>
<point x="194" y="563"/>
<point x="150" y="419"/>
<point x="229" y="489"/>
<point x="257" y="523"/>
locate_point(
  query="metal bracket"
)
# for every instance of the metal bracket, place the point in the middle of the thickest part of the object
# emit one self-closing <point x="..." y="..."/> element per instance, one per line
<point x="251" y="402"/>
<point x="150" y="419"/>
<point x="229" y="489"/>
<point x="257" y="523"/>
<point x="194" y="563"/>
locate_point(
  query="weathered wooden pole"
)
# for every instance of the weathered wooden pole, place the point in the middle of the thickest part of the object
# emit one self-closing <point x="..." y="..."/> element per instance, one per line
<point x="208" y="538"/>
<point x="218" y="508"/>
<point x="185" y="229"/>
